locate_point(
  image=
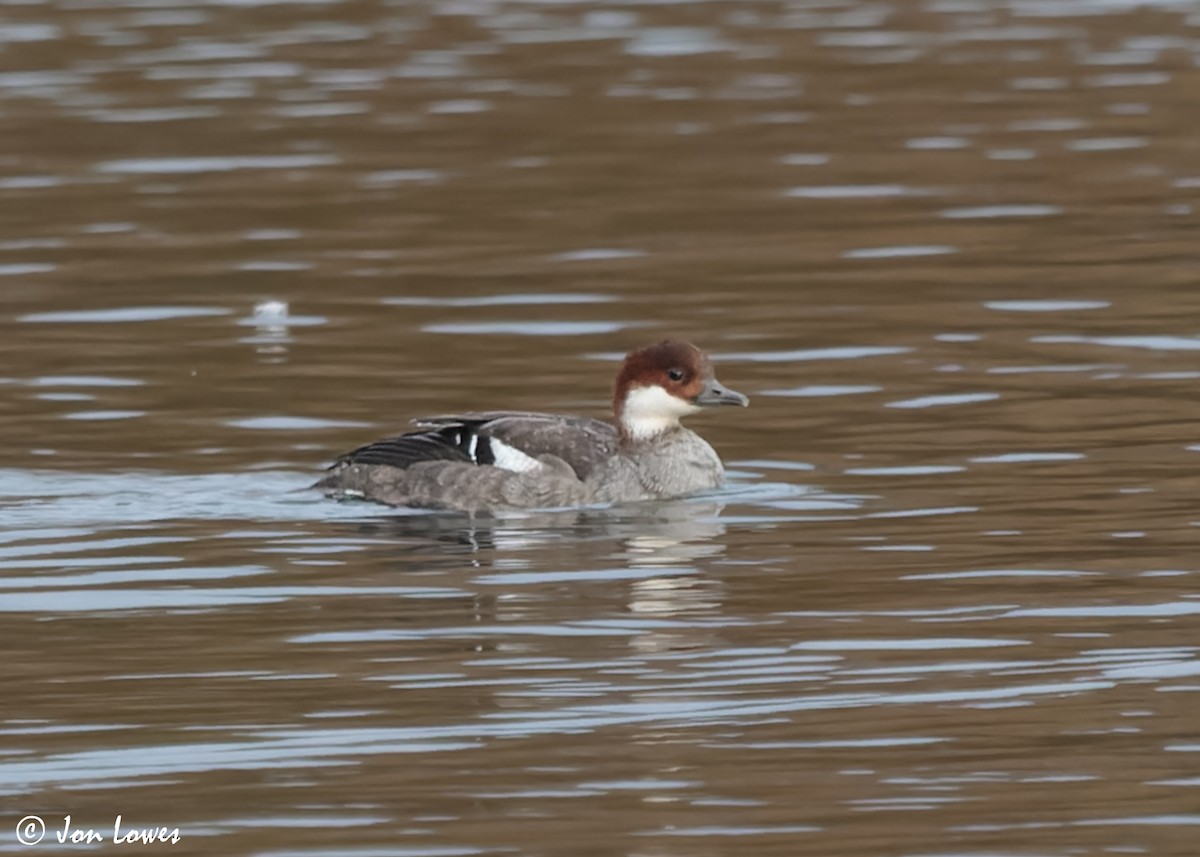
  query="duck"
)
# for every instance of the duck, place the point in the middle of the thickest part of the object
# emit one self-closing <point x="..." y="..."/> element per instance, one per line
<point x="497" y="460"/>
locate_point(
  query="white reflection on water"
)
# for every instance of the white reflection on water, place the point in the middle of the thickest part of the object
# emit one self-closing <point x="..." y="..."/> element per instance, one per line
<point x="123" y="314"/>
<point x="598" y="254"/>
<point x="21" y="269"/>
<point x="675" y="42"/>
<point x="906" y="470"/>
<point x="515" y="299"/>
<point x="104" y="415"/>
<point x="991" y="573"/>
<point x="391" y="178"/>
<point x="94" y="600"/>
<point x="847" y="352"/>
<point x="42" y="498"/>
<point x="1027" y="457"/>
<point x="874" y="191"/>
<point x="821" y="390"/>
<point x="286" y="423"/>
<point x="899" y="252"/>
<point x="1106" y="144"/>
<point x="1153" y="343"/>
<point x="83" y="381"/>
<point x="184" y="166"/>
<point x="945" y="399"/>
<point x="532" y="328"/>
<point x="267" y="749"/>
<point x="148" y="115"/>
<point x="916" y="644"/>
<point x="1169" y="608"/>
<point x="937" y="143"/>
<point x="993" y="211"/>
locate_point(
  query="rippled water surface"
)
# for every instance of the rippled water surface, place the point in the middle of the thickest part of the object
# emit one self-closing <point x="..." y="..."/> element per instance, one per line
<point x="947" y="605"/>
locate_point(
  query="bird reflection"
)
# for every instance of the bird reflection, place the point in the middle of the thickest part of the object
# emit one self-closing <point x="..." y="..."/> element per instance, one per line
<point x="649" y="535"/>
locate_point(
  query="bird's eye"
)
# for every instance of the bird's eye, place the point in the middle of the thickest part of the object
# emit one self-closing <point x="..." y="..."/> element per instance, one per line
<point x="675" y="374"/>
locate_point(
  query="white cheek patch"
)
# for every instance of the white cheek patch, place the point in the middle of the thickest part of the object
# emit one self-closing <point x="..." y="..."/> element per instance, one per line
<point x="649" y="411"/>
<point x="510" y="458"/>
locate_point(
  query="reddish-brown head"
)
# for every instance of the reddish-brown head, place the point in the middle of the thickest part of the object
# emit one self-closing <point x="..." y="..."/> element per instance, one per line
<point x="660" y="383"/>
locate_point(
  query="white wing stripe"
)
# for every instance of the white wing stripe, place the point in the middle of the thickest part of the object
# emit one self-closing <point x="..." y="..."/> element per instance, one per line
<point x="510" y="458"/>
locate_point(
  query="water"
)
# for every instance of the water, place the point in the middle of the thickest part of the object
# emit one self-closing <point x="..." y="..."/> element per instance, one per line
<point x="946" y="604"/>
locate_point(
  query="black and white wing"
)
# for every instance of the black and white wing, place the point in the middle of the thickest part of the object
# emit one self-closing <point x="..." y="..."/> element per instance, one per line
<point x="507" y="440"/>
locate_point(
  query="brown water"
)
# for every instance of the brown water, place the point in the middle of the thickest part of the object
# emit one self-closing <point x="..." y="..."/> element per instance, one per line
<point x="948" y="604"/>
